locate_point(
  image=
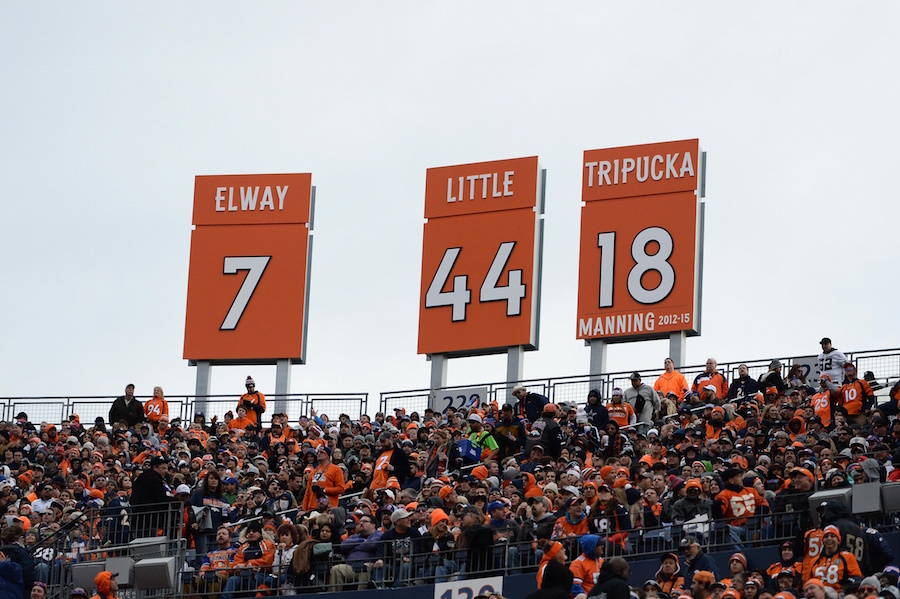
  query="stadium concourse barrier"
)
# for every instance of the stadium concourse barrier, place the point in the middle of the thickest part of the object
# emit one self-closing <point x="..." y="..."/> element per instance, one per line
<point x="884" y="364"/>
<point x="152" y="564"/>
<point x="88" y="408"/>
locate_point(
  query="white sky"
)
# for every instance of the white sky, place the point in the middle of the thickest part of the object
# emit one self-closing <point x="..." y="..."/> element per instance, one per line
<point x="109" y="110"/>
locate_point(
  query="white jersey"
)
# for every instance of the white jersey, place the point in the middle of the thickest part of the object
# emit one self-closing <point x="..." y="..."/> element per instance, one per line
<point x="832" y="364"/>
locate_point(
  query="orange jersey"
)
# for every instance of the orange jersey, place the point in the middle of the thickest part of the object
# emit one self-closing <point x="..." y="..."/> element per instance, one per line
<point x="622" y="412"/>
<point x="267" y="550"/>
<point x="380" y="473"/>
<point x="821" y="404"/>
<point x="715" y="379"/>
<point x="835" y="569"/>
<point x="240" y="424"/>
<point x="567" y="529"/>
<point x="256" y="399"/>
<point x="773" y="570"/>
<point x="738" y="506"/>
<point x="812" y="541"/>
<point x="585" y="571"/>
<point x="854" y="395"/>
<point x="330" y="478"/>
<point x="155" y="408"/>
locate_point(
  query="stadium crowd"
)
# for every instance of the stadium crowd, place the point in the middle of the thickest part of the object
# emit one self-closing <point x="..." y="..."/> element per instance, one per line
<point x="562" y="490"/>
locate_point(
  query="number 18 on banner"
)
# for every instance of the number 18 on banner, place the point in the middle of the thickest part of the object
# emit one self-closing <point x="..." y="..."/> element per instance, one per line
<point x="481" y="246"/>
<point x="641" y="242"/>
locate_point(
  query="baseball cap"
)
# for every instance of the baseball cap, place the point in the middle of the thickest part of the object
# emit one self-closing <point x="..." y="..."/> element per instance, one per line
<point x="183" y="489"/>
<point x="398" y="514"/>
<point x="495" y="505"/>
<point x="474" y="418"/>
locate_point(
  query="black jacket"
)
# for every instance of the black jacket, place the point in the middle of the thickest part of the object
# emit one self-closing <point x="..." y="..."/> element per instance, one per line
<point x="132" y="413"/>
<point x="149" y="488"/>
<point x="18" y="554"/>
<point x="400" y="462"/>
<point x="610" y="584"/>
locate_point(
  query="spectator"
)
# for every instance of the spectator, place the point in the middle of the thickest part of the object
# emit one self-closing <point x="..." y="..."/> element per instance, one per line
<point x="669" y="575"/>
<point x="830" y="361"/>
<point x="554" y="579"/>
<point x="156" y="407"/>
<point x="396" y="549"/>
<point x="14" y="550"/>
<point x="744" y="386"/>
<point x="106" y="585"/>
<point x="253" y="401"/>
<point x="126" y="408"/>
<point x="696" y="561"/>
<point x="644" y="400"/>
<point x="671" y="381"/>
<point x="711" y="376"/>
<point x="252" y="562"/>
<point x="529" y="406"/>
<point x="612" y="583"/>
<point x="360" y="551"/>
<point x="595" y="411"/>
<point x="216" y="564"/>
<point x="586" y="567"/>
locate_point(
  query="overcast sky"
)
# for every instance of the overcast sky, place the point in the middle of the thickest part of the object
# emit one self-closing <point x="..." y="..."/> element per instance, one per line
<point x="109" y="110"/>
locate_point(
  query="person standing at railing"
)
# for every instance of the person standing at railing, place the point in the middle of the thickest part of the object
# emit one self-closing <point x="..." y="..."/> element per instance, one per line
<point x="529" y="406"/>
<point x="671" y="381"/>
<point x="253" y="401"/>
<point x="831" y="361"/>
<point x="126" y="408"/>
<point x="156" y="407"/>
<point x="711" y="376"/>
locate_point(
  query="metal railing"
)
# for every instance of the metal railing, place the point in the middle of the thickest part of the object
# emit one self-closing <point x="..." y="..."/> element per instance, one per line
<point x="88" y="408"/>
<point x="135" y="556"/>
<point x="883" y="364"/>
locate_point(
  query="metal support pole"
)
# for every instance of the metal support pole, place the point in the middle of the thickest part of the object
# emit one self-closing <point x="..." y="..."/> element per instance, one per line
<point x="598" y="357"/>
<point x="201" y="391"/>
<point x="438" y="371"/>
<point x="677" y="348"/>
<point x="515" y="363"/>
<point x="282" y="385"/>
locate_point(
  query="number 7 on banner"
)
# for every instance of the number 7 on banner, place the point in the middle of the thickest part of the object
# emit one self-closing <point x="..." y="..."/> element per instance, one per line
<point x="256" y="265"/>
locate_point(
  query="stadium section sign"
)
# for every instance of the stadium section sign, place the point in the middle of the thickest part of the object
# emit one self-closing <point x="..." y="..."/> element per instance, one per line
<point x="249" y="271"/>
<point x="639" y="269"/>
<point x="481" y="258"/>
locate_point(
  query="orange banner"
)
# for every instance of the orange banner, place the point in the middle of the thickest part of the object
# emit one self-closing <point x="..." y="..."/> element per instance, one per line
<point x="638" y="267"/>
<point x="478" y="283"/>
<point x="481" y="187"/>
<point x="649" y="169"/>
<point x="252" y="199"/>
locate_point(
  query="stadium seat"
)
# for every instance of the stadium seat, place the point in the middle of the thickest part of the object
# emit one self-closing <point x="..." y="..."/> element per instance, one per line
<point x="83" y="574"/>
<point x="124" y="567"/>
<point x="890" y="497"/>
<point x="866" y="498"/>
<point x="155" y="573"/>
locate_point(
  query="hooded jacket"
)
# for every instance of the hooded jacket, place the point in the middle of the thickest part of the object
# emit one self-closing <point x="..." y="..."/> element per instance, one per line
<point x="597" y="413"/>
<point x="610" y="584"/>
<point x="667" y="584"/>
<point x="101" y="581"/>
<point x="586" y="567"/>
